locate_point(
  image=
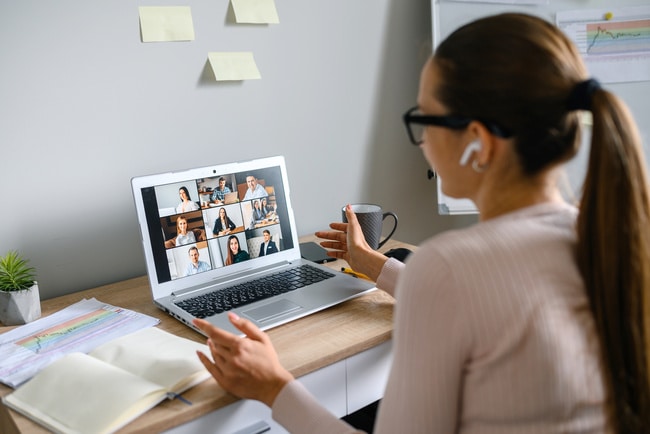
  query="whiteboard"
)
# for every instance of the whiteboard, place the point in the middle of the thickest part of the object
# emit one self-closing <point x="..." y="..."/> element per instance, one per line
<point x="625" y="72"/>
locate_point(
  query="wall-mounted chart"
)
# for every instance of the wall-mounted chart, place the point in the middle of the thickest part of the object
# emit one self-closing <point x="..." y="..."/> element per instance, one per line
<point x="615" y="43"/>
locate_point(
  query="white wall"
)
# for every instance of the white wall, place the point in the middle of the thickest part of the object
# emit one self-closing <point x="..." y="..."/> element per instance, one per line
<point x="85" y="106"/>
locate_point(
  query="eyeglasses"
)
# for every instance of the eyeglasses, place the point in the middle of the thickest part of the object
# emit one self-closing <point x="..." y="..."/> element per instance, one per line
<point x="416" y="123"/>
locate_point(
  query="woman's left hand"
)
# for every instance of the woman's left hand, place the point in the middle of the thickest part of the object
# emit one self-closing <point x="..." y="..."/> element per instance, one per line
<point x="248" y="366"/>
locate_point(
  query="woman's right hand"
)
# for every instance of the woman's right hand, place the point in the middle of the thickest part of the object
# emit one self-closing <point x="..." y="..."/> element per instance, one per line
<point x="247" y="366"/>
<point x="346" y="241"/>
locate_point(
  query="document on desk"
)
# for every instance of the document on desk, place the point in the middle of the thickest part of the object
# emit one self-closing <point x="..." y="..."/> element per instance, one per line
<point x="80" y="327"/>
<point x="104" y="390"/>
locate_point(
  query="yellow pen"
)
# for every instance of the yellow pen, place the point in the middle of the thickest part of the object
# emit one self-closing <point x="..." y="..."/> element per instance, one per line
<point x="351" y="272"/>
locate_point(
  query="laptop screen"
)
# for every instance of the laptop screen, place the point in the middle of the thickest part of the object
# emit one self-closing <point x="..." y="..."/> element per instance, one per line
<point x="197" y="225"/>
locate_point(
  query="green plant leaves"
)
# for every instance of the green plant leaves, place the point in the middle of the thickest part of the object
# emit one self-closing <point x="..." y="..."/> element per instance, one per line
<point x="15" y="273"/>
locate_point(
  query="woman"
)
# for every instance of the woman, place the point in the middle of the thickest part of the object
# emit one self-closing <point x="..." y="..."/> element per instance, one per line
<point x="186" y="203"/>
<point x="266" y="209"/>
<point x="531" y="320"/>
<point x="183" y="236"/>
<point x="235" y="253"/>
<point x="258" y="214"/>
<point x="223" y="225"/>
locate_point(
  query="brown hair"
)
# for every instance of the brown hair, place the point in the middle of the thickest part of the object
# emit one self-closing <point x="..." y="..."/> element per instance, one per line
<point x="230" y="259"/>
<point x="519" y="71"/>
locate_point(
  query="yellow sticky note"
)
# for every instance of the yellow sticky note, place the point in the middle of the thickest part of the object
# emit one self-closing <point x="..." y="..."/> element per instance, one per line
<point x="234" y="66"/>
<point x="166" y="23"/>
<point x="255" y="11"/>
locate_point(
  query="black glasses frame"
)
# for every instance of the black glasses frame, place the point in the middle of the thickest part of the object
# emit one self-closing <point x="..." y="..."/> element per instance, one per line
<point x="453" y="122"/>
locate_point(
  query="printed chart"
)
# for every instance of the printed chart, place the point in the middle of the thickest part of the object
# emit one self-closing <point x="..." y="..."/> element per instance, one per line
<point x="617" y="38"/>
<point x="621" y="38"/>
<point x="80" y="327"/>
<point x="615" y="44"/>
<point x="68" y="333"/>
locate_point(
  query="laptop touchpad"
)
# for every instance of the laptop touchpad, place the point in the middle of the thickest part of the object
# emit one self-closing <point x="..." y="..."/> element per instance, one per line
<point x="271" y="310"/>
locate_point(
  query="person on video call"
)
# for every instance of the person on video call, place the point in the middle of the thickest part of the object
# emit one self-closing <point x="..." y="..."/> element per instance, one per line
<point x="535" y="319"/>
<point x="267" y="210"/>
<point x="186" y="204"/>
<point x="235" y="252"/>
<point x="195" y="266"/>
<point x="223" y="225"/>
<point x="254" y="190"/>
<point x="183" y="235"/>
<point x="219" y="194"/>
<point x="268" y="246"/>
<point x="258" y="214"/>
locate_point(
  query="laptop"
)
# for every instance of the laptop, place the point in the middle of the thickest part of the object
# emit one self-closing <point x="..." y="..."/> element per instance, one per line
<point x="230" y="198"/>
<point x="196" y="254"/>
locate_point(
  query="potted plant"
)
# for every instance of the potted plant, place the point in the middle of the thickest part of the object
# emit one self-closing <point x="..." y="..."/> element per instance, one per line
<point x="19" y="298"/>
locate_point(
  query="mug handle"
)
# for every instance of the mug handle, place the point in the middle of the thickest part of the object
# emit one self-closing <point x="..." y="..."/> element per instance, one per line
<point x="394" y="216"/>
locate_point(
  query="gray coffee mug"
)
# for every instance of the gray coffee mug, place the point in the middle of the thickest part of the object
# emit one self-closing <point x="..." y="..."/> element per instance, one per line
<point x="371" y="218"/>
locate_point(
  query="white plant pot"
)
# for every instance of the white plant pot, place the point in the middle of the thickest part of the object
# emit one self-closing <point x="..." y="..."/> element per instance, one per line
<point x="20" y="307"/>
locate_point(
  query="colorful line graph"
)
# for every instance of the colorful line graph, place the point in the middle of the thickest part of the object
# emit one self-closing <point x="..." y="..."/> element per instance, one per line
<point x="69" y="331"/>
<point x="614" y="42"/>
<point x="618" y="37"/>
<point x="79" y="327"/>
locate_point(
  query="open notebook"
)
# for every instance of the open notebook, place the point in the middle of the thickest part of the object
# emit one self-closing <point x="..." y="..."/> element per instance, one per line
<point x="209" y="229"/>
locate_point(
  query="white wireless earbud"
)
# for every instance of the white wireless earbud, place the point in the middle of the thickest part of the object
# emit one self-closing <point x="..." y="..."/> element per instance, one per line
<point x="473" y="146"/>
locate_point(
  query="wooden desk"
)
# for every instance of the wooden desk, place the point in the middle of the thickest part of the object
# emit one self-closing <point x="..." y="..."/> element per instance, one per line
<point x="237" y="230"/>
<point x="304" y="346"/>
<point x="209" y="203"/>
<point x="267" y="222"/>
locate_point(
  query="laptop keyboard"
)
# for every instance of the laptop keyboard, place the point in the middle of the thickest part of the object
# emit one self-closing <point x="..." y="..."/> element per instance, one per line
<point x="241" y="294"/>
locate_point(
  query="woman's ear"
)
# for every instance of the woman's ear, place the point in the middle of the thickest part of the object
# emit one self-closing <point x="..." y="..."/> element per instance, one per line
<point x="484" y="154"/>
<point x="473" y="146"/>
